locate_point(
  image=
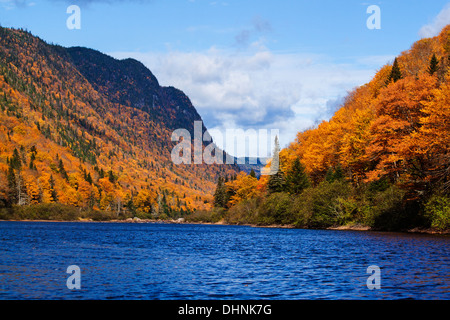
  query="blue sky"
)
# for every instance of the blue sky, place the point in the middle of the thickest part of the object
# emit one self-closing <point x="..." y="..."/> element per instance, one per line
<point x="260" y="64"/>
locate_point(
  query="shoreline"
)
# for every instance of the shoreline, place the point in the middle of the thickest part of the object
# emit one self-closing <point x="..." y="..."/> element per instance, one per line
<point x="350" y="227"/>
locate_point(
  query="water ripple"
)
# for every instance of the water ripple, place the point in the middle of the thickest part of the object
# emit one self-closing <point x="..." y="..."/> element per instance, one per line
<point x="163" y="261"/>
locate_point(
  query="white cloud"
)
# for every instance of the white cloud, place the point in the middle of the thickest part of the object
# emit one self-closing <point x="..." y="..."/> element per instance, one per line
<point x="258" y="89"/>
<point x="441" y="20"/>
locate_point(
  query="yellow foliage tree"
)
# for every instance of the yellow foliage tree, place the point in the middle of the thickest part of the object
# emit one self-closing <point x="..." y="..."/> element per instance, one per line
<point x="243" y="188"/>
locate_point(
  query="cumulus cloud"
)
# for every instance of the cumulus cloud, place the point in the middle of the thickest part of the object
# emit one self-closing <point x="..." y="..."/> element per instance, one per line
<point x="259" y="89"/>
<point x="441" y="20"/>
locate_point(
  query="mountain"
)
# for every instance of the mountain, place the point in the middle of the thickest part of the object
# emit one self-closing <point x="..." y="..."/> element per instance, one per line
<point x="129" y="83"/>
<point x="247" y="164"/>
<point x="81" y="128"/>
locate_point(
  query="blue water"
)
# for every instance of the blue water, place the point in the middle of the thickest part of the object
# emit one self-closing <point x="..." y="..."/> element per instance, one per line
<point x="172" y="261"/>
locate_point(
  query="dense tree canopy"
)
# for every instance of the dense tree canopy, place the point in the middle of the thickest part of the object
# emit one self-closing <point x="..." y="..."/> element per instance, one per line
<point x="83" y="129"/>
<point x="383" y="158"/>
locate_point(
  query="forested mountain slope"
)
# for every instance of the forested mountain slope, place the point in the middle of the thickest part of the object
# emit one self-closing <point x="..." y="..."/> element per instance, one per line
<point x="78" y="127"/>
<point x="382" y="160"/>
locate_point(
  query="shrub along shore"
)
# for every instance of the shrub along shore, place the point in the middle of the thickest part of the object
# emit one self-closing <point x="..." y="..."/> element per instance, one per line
<point x="55" y="212"/>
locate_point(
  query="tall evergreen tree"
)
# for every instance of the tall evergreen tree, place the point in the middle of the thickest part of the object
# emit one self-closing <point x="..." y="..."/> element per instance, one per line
<point x="12" y="185"/>
<point x="334" y="174"/>
<point x="296" y="179"/>
<point x="53" y="194"/>
<point x="165" y="208"/>
<point x="220" y="194"/>
<point x="434" y="65"/>
<point x="329" y="175"/>
<point x="229" y="192"/>
<point x="395" y="74"/>
<point x="277" y="181"/>
<point x="101" y="174"/>
<point x="252" y="173"/>
<point x="111" y="176"/>
<point x="15" y="161"/>
<point x="62" y="170"/>
<point x="338" y="173"/>
<point x="89" y="178"/>
<point x="32" y="166"/>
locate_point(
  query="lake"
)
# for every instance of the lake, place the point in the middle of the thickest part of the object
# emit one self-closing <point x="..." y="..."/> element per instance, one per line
<point x="187" y="261"/>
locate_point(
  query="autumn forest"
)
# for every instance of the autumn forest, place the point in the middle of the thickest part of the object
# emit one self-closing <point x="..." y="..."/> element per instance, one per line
<point x="86" y="136"/>
<point x="381" y="162"/>
<point x="79" y="129"/>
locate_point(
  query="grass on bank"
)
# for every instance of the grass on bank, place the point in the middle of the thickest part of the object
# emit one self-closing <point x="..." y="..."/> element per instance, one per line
<point x="54" y="211"/>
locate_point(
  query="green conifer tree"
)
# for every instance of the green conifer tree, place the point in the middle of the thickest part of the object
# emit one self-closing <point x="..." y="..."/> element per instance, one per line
<point x="62" y="170"/>
<point x="220" y="194"/>
<point x="111" y="176"/>
<point x="334" y="174"/>
<point x="277" y="181"/>
<point x="434" y="65"/>
<point x="53" y="194"/>
<point x="15" y="161"/>
<point x="89" y="178"/>
<point x="296" y="179"/>
<point x="12" y="185"/>
<point x="395" y="74"/>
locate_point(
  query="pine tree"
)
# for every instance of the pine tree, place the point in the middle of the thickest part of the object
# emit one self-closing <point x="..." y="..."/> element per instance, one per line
<point x="129" y="204"/>
<point x="12" y="186"/>
<point x="329" y="175"/>
<point x="297" y="179"/>
<point x="334" y="174"/>
<point x="62" y="170"/>
<point x="220" y="194"/>
<point x="277" y="181"/>
<point x="395" y="74"/>
<point x="32" y="158"/>
<point x="89" y="178"/>
<point x="338" y="173"/>
<point x="252" y="173"/>
<point x="15" y="161"/>
<point x="53" y="194"/>
<point x="165" y="207"/>
<point x="434" y="65"/>
<point x="111" y="177"/>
